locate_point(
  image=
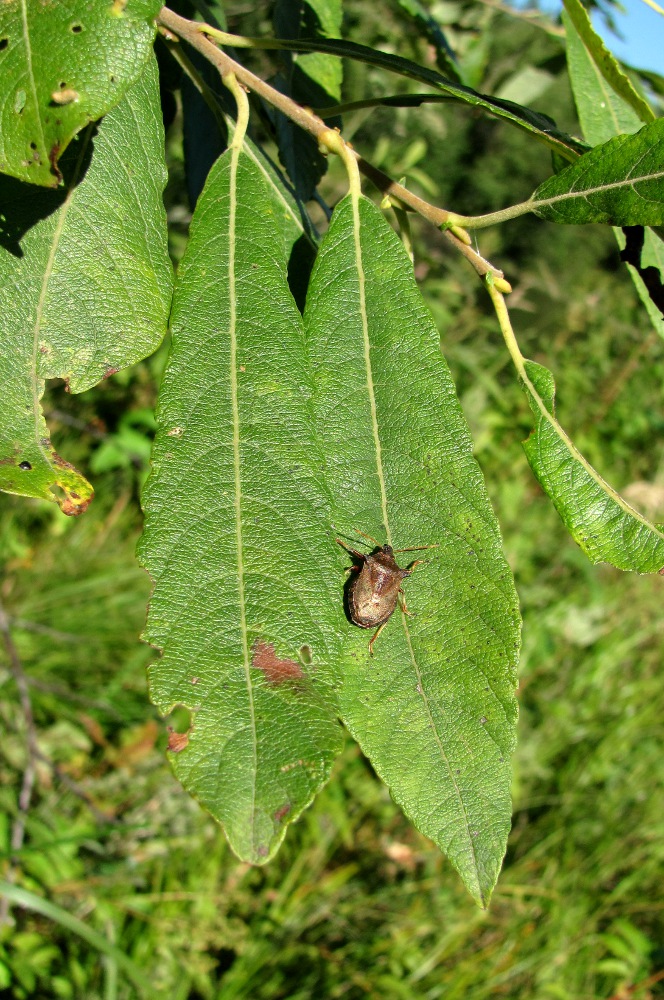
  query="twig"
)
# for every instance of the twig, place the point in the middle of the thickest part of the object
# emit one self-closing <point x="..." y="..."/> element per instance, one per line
<point x="194" y="34"/>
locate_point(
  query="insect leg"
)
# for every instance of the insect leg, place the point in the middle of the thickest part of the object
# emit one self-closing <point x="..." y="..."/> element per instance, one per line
<point x="375" y="636"/>
<point x="402" y="605"/>
<point x="411" y="566"/>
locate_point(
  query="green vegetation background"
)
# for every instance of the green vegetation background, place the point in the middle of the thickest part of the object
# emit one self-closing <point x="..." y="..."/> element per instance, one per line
<point x="357" y="904"/>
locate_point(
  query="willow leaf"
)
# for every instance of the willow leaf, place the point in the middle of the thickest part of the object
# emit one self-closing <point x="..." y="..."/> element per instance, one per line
<point x="605" y="61"/>
<point x="620" y="182"/>
<point x="599" y="520"/>
<point x="434" y="709"/>
<point x="246" y="602"/>
<point x="63" y="65"/>
<point x="539" y="125"/>
<point x="85" y="283"/>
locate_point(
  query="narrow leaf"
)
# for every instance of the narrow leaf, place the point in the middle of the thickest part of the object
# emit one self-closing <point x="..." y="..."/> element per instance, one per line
<point x="85" y="282"/>
<point x="605" y="61"/>
<point x="542" y="127"/>
<point x="604" y="114"/>
<point x="63" y="65"/>
<point x="434" y="709"/>
<point x="599" y="520"/>
<point x="246" y="602"/>
<point x="620" y="182"/>
<point x="312" y="79"/>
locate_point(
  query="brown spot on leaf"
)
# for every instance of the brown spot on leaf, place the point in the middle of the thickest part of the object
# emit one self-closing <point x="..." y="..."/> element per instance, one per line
<point x="177" y="741"/>
<point x="53" y="154"/>
<point x="281" y="812"/>
<point x="276" y="671"/>
<point x="73" y="508"/>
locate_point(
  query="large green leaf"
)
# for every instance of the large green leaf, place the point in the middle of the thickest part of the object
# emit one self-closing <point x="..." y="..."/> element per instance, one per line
<point x="63" y="65"/>
<point x="85" y="282"/>
<point x="434" y="709"/>
<point x="620" y="182"/>
<point x="603" y="114"/>
<point x="600" y="521"/>
<point x="247" y="598"/>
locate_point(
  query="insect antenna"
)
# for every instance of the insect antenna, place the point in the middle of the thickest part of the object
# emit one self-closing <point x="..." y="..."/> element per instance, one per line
<point x="418" y="548"/>
<point x="364" y="535"/>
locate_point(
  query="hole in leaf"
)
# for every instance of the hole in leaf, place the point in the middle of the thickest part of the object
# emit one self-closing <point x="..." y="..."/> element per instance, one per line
<point x="76" y="29"/>
<point x="33" y="145"/>
<point x="180" y="720"/>
<point x="4" y="42"/>
<point x="25" y="466"/>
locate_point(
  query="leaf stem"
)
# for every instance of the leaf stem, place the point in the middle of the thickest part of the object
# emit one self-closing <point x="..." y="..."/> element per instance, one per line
<point x="492" y="218"/>
<point x="240" y="95"/>
<point x="506" y="328"/>
<point x="196" y="35"/>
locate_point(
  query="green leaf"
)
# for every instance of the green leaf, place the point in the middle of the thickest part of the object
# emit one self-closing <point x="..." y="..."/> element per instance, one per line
<point x="604" y="114"/>
<point x="247" y="597"/>
<point x="599" y="520"/>
<point x="63" y="65"/>
<point x="542" y="127"/>
<point x="298" y="232"/>
<point x="601" y="111"/>
<point x="85" y="282"/>
<point x="434" y="709"/>
<point x="620" y="182"/>
<point x="324" y="18"/>
<point x="605" y="61"/>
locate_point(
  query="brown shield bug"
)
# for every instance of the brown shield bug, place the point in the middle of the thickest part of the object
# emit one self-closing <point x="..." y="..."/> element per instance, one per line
<point x="374" y="592"/>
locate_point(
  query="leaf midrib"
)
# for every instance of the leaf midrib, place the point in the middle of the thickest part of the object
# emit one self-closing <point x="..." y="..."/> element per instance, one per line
<point x="63" y="212"/>
<point x="600" y="189"/>
<point x="31" y="75"/>
<point x="236" y="150"/>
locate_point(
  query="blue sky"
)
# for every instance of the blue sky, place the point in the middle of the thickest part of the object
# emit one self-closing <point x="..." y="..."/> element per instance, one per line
<point x="643" y="32"/>
<point x="642" y="29"/>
